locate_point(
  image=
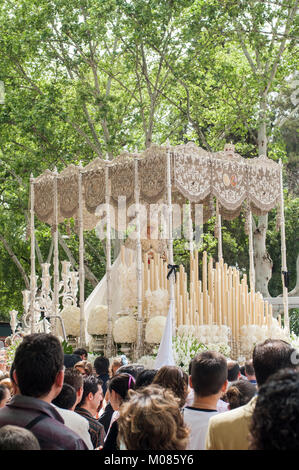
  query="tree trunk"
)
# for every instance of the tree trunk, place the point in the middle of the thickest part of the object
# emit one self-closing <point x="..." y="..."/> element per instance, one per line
<point x="263" y="262"/>
<point x="16" y="261"/>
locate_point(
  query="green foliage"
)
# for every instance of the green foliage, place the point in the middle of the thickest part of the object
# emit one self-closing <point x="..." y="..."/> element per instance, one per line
<point x="87" y="78"/>
<point x="67" y="348"/>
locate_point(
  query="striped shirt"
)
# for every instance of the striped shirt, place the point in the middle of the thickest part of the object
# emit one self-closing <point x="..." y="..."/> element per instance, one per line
<point x="96" y="429"/>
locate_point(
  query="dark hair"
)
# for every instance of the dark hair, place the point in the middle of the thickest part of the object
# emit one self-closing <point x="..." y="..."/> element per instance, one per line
<point x="271" y="356"/>
<point x="70" y="360"/>
<point x="242" y="370"/>
<point x="74" y="378"/>
<point x="66" y="398"/>
<point x="90" y="385"/>
<point x="81" y="352"/>
<point x="132" y="369"/>
<point x="275" y="419"/>
<point x="3" y="388"/>
<point x="172" y="377"/>
<point x="249" y="369"/>
<point x="239" y="393"/>
<point x="101" y="365"/>
<point x="145" y="377"/>
<point x="17" y="438"/>
<point x="233" y="370"/>
<point x="208" y="373"/>
<point x="38" y="359"/>
<point x="121" y="383"/>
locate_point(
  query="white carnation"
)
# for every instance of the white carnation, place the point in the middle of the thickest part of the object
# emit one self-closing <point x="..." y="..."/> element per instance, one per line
<point x="98" y="320"/>
<point x="154" y="329"/>
<point x="71" y="319"/>
<point x="125" y="330"/>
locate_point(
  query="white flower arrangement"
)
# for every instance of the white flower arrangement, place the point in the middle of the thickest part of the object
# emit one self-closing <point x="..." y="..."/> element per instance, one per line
<point x="222" y="348"/>
<point x="157" y="302"/>
<point x="185" y="347"/>
<point x="128" y="285"/>
<point x="212" y="334"/>
<point x="147" y="361"/>
<point x="71" y="319"/>
<point x="154" y="329"/>
<point x="294" y="340"/>
<point x="125" y="330"/>
<point x="98" y="320"/>
<point x="252" y="334"/>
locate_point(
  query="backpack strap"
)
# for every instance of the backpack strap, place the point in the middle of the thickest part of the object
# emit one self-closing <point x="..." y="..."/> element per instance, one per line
<point x="36" y="420"/>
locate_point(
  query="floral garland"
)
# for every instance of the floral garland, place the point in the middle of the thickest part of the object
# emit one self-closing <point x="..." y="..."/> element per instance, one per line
<point x="125" y="330"/>
<point x="154" y="329"/>
<point x="71" y="319"/>
<point x="98" y="320"/>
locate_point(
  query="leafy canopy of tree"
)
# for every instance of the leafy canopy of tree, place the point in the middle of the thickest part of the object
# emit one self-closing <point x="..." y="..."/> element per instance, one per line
<point x="90" y="78"/>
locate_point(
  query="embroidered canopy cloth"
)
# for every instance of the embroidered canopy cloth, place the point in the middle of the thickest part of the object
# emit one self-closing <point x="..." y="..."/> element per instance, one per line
<point x="196" y="175"/>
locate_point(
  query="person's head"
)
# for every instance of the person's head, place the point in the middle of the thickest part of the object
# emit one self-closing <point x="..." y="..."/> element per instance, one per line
<point x="4" y="395"/>
<point x="84" y="367"/>
<point x="275" y="419"/>
<point x="67" y="398"/>
<point x="17" y="438"/>
<point x="249" y="370"/>
<point x="233" y="371"/>
<point x="38" y="365"/>
<point x="173" y="378"/>
<point x="271" y="356"/>
<point x="92" y="394"/>
<point x="70" y="360"/>
<point x="101" y="365"/>
<point x="145" y="378"/>
<point x="132" y="369"/>
<point x="7" y="383"/>
<point x="239" y="393"/>
<point x="74" y="378"/>
<point x="15" y="388"/>
<point x="118" y="388"/>
<point x="151" y="419"/>
<point x="116" y="363"/>
<point x="82" y="353"/>
<point x="208" y="374"/>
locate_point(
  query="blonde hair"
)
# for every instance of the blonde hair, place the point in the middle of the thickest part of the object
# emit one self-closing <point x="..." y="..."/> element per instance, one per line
<point x="116" y="362"/>
<point x="151" y="419"/>
<point x="87" y="366"/>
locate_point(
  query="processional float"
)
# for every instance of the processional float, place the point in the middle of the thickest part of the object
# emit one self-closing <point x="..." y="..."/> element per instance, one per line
<point x="172" y="177"/>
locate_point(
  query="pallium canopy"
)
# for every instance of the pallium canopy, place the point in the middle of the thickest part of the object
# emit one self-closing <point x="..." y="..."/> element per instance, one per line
<point x="196" y="175"/>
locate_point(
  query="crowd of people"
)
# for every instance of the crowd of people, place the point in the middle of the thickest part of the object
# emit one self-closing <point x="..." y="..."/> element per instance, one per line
<point x="55" y="401"/>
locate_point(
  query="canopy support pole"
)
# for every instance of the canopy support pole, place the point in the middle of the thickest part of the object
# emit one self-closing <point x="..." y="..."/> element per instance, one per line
<point x="170" y="239"/>
<point x="284" y="269"/>
<point x="32" y="257"/>
<point x="81" y="259"/>
<point x="251" y="253"/>
<point x="108" y="259"/>
<point x="138" y="265"/>
<point x="219" y="231"/>
<point x="55" y="305"/>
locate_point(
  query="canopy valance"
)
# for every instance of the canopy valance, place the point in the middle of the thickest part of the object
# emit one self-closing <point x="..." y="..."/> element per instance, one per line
<point x="196" y="175"/>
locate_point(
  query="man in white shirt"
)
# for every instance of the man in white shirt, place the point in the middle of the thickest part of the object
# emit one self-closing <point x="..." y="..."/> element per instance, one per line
<point x="209" y="380"/>
<point x="66" y="402"/>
